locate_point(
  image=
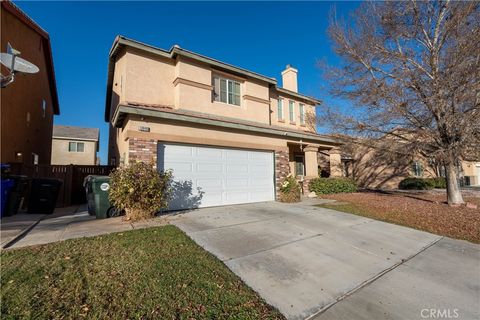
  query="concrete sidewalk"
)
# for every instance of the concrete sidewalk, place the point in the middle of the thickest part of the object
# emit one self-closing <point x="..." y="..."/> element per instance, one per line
<point x="75" y="222"/>
<point x="14" y="226"/>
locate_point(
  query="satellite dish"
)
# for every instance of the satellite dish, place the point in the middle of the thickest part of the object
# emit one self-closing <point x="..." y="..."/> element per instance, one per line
<point x="20" y="65"/>
<point x="14" y="64"/>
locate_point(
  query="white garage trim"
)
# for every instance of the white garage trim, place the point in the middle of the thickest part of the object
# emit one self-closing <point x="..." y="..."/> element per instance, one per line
<point x="206" y="176"/>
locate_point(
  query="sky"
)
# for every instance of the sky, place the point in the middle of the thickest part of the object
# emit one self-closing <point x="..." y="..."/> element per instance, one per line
<point x="259" y="36"/>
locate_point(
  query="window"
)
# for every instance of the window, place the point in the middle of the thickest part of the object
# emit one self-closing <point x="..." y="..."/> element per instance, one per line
<point x="280" y="109"/>
<point x="76" y="147"/>
<point x="44" y="107"/>
<point x="299" y="166"/>
<point x="291" y="109"/>
<point x="302" y="113"/>
<point x="227" y="91"/>
<point x="417" y="169"/>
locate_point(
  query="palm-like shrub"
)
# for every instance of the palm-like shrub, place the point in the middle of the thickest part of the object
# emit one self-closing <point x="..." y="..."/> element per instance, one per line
<point x="140" y="190"/>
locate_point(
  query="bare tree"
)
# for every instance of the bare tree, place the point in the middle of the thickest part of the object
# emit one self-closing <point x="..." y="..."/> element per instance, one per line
<point x="411" y="70"/>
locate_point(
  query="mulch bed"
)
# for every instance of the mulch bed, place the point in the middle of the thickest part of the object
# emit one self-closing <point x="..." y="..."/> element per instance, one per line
<point x="425" y="211"/>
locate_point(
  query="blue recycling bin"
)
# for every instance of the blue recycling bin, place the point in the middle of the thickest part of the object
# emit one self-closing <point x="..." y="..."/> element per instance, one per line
<point x="6" y="186"/>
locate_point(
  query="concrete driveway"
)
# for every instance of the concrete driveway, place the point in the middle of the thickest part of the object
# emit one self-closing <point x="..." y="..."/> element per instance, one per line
<point x="317" y="263"/>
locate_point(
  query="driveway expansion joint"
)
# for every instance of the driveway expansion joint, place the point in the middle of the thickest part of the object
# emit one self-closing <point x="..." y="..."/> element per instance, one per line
<point x="372" y="279"/>
<point x="274" y="247"/>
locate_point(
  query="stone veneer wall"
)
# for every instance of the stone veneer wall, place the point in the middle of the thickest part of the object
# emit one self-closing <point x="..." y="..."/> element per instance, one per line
<point x="282" y="169"/>
<point x="144" y="150"/>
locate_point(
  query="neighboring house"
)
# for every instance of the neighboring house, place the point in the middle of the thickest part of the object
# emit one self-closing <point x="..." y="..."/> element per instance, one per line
<point x="376" y="166"/>
<point x="471" y="173"/>
<point x="75" y="145"/>
<point x="229" y="134"/>
<point x="30" y="102"/>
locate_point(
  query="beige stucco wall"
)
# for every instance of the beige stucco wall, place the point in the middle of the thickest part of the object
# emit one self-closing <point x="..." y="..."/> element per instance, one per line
<point x="310" y="117"/>
<point x="373" y="168"/>
<point x="182" y="132"/>
<point x="185" y="83"/>
<point x="149" y="78"/>
<point x="61" y="155"/>
<point x="472" y="170"/>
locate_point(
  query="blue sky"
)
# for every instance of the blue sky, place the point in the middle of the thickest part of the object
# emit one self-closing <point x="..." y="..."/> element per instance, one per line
<point x="259" y="36"/>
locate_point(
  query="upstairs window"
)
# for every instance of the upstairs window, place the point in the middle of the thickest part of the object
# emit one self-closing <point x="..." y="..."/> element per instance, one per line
<point x="302" y="113"/>
<point x="76" y="147"/>
<point x="291" y="109"/>
<point x="226" y="91"/>
<point x="280" y="109"/>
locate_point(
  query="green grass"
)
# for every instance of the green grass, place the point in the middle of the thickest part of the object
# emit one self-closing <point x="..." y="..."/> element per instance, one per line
<point x="156" y="273"/>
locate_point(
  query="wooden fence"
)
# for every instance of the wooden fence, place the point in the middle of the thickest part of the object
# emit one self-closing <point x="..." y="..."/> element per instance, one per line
<point x="72" y="176"/>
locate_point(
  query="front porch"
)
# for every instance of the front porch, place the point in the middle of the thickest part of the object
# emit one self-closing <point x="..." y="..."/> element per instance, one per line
<point x="309" y="161"/>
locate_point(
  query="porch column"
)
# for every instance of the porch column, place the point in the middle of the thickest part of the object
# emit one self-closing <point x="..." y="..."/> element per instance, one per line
<point x="335" y="162"/>
<point x="311" y="161"/>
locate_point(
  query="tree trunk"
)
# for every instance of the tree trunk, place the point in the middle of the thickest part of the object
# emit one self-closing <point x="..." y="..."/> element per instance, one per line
<point x="454" y="196"/>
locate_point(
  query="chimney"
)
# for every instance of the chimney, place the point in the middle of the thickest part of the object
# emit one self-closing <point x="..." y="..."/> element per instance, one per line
<point x="289" y="78"/>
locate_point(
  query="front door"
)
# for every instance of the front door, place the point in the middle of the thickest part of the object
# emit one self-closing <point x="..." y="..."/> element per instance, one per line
<point x="299" y="165"/>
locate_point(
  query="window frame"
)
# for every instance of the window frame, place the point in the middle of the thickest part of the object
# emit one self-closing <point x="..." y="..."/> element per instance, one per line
<point x="291" y="111"/>
<point x="301" y="110"/>
<point x="75" y="143"/>
<point x="280" y="110"/>
<point x="217" y="96"/>
<point x="417" y="169"/>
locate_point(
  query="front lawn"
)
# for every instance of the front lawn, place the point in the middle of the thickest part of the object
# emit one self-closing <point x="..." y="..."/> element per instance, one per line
<point x="156" y="273"/>
<point x="423" y="211"/>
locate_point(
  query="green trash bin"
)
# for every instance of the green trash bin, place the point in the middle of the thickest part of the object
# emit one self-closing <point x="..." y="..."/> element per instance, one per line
<point x="97" y="195"/>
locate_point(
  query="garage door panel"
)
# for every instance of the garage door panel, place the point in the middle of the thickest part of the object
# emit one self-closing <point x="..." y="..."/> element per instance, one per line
<point x="233" y="183"/>
<point x="210" y="184"/>
<point x="209" y="168"/>
<point x="223" y="176"/>
<point x="182" y="167"/>
<point x="209" y="153"/>
<point x="237" y="170"/>
<point x="236" y="155"/>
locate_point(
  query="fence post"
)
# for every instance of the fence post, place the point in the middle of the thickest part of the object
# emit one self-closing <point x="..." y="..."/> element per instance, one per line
<point x="68" y="185"/>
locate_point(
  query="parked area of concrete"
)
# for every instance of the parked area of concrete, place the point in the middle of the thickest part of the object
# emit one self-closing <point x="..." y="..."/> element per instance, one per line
<point x="14" y="226"/>
<point x="75" y="222"/>
<point x="318" y="263"/>
<point x="314" y="263"/>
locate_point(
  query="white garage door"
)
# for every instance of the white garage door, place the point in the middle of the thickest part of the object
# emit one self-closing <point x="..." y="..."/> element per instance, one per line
<point x="210" y="176"/>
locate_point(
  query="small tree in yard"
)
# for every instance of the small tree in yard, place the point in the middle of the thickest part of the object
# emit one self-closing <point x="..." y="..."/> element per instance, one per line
<point x="412" y="69"/>
<point x="140" y="190"/>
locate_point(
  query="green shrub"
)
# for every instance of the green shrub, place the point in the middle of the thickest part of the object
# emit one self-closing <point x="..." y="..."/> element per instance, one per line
<point x="416" y="184"/>
<point x="140" y="190"/>
<point x="439" y="182"/>
<point x="290" y="190"/>
<point x="332" y="185"/>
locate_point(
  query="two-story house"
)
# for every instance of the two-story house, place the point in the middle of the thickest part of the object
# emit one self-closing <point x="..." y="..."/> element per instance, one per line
<point x="230" y="135"/>
<point x="75" y="145"/>
<point x="28" y="104"/>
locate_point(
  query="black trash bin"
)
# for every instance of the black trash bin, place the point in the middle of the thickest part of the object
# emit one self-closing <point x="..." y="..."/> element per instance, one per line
<point x="87" y="184"/>
<point x="17" y="194"/>
<point x="43" y="195"/>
